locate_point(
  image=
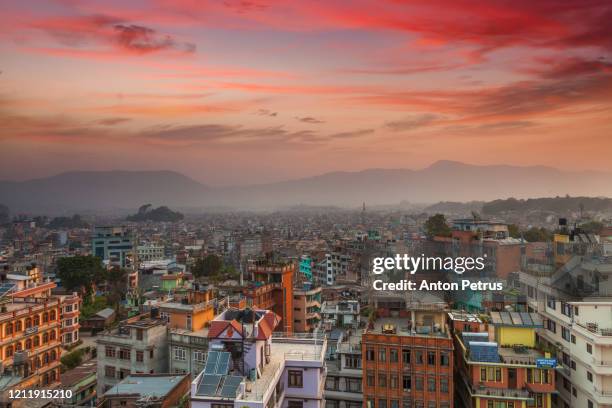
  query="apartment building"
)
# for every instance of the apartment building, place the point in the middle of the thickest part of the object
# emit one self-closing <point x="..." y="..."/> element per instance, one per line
<point x="343" y="385"/>
<point x="150" y="252"/>
<point x="340" y="313"/>
<point x="306" y="308"/>
<point x="272" y="289"/>
<point x="335" y="265"/>
<point x="577" y="327"/>
<point x="30" y="338"/>
<point x="499" y="364"/>
<point x="70" y="314"/>
<point x="139" y="345"/>
<point x="407" y="358"/>
<point x="249" y="366"/>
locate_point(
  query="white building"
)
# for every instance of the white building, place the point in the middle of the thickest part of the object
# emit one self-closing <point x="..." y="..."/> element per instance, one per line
<point x="150" y="252"/>
<point x="137" y="346"/>
<point x="578" y="325"/>
<point x="259" y="370"/>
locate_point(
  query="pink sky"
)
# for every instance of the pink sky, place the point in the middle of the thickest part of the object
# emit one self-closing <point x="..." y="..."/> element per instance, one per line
<point x="238" y="92"/>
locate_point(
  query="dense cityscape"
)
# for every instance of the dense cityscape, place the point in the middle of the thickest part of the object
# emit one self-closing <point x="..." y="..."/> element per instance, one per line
<point x="277" y="309"/>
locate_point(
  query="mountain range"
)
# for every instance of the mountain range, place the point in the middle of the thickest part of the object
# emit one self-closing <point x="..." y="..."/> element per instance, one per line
<point x="91" y="191"/>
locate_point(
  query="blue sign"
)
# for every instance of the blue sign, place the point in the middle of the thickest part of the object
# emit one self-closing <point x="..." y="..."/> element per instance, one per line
<point x="546" y="362"/>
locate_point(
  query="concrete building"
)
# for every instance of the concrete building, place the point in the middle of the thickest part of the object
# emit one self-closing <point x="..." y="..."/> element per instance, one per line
<point x="340" y="313"/>
<point x="138" y="346"/>
<point x="150" y="252"/>
<point x="70" y="314"/>
<point x="306" y="308"/>
<point x="335" y="265"/>
<point x="114" y="245"/>
<point x="82" y="382"/>
<point x="30" y="338"/>
<point x="251" y="367"/>
<point x="343" y="386"/>
<point x="272" y="289"/>
<point x="147" y="390"/>
<point x="407" y="359"/>
<point x="502" y="365"/>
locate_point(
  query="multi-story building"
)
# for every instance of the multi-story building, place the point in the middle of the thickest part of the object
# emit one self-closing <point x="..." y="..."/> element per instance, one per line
<point x="272" y="289"/>
<point x="248" y="366"/>
<point x="343" y="386"/>
<point x="577" y="315"/>
<point x="502" y="365"/>
<point x="335" y="265"/>
<point x="139" y="345"/>
<point x="114" y="245"/>
<point x="408" y="359"/>
<point x="30" y="340"/>
<point x="150" y="252"/>
<point x="306" y="308"/>
<point x="70" y="314"/>
<point x="340" y="313"/>
<point x="81" y="381"/>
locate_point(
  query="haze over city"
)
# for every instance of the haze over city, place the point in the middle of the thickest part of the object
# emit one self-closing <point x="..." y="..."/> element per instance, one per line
<point x="238" y="93"/>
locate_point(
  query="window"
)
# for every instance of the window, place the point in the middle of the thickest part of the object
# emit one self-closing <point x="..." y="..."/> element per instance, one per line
<point x="370" y="379"/>
<point x="573" y="339"/>
<point x="382" y="380"/>
<point x="353" y="385"/>
<point x="444" y="360"/>
<point x="140" y="356"/>
<point x="393" y="355"/>
<point x="550" y="302"/>
<point x="431" y="358"/>
<point x="418" y="384"/>
<point x="370" y="356"/>
<point x="589" y="404"/>
<point x="406" y="356"/>
<point x="108" y="351"/>
<point x="179" y="354"/>
<point x="590" y="376"/>
<point x="483" y="374"/>
<point x="382" y="355"/>
<point x="566" y="309"/>
<point x="406" y="382"/>
<point x="353" y="362"/>
<point x="124" y="354"/>
<point x="565" y="333"/>
<point x="295" y="404"/>
<point x="444" y="384"/>
<point x="139" y="334"/>
<point x="419" y="357"/>
<point x="382" y="403"/>
<point x="109" y="372"/>
<point x="199" y="356"/>
<point x="295" y="379"/>
<point x="151" y="353"/>
<point x="393" y="381"/>
<point x="551" y="326"/>
<point x="431" y="384"/>
<point x="589" y="348"/>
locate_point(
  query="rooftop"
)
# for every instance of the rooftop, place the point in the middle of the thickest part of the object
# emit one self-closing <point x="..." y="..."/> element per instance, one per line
<point x="401" y="326"/>
<point x="152" y="385"/>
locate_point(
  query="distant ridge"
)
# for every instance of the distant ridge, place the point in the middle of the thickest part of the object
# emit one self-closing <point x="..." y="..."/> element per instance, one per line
<point x="445" y="180"/>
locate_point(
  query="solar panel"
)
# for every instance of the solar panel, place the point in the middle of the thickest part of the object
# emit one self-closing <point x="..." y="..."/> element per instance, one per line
<point x="527" y="319"/>
<point x="5" y="288"/>
<point x="223" y="363"/>
<point x="516" y="318"/>
<point x="211" y="362"/>
<point x="230" y="386"/>
<point x="209" y="385"/>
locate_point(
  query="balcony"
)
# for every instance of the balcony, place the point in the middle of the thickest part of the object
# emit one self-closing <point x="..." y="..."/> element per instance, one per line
<point x="501" y="393"/>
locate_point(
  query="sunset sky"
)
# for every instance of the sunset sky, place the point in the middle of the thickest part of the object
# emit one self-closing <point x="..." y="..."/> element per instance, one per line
<point x="239" y="92"/>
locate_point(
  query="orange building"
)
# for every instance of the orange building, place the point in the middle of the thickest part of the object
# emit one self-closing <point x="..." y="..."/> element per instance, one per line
<point x="408" y="361"/>
<point x="500" y="365"/>
<point x="272" y="289"/>
<point x="30" y="338"/>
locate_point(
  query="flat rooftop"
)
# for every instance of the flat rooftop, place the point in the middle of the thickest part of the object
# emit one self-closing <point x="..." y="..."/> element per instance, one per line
<point x="401" y="326"/>
<point x="154" y="385"/>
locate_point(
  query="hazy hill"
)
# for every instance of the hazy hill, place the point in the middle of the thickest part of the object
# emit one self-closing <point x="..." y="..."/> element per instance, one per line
<point x="442" y="181"/>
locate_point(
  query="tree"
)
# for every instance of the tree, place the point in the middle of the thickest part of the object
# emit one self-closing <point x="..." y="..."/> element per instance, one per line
<point x="514" y="231"/>
<point x="80" y="272"/>
<point x="209" y="266"/>
<point x="116" y="279"/>
<point x="436" y="226"/>
<point x="535" y="234"/>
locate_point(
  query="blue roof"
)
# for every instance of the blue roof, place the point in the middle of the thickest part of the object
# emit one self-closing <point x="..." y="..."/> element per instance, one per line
<point x="147" y="385"/>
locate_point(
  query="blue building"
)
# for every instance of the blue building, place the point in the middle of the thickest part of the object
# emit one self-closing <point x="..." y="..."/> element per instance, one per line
<point x="114" y="245"/>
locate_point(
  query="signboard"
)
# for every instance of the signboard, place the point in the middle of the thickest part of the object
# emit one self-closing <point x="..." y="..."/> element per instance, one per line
<point x="546" y="362"/>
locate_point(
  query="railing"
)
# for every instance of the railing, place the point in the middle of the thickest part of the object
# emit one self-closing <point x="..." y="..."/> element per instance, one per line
<point x="301" y="355"/>
<point x="501" y="392"/>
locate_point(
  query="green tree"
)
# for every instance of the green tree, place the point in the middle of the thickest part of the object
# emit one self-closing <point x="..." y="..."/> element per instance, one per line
<point x="535" y="234"/>
<point x="80" y="272"/>
<point x="209" y="266"/>
<point x="436" y="226"/>
<point x="514" y="231"/>
<point x="116" y="279"/>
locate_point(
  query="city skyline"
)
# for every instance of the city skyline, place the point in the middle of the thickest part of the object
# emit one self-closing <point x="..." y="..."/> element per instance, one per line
<point x="247" y="92"/>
